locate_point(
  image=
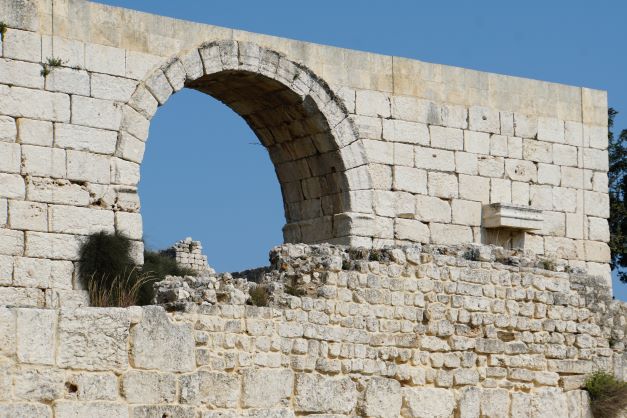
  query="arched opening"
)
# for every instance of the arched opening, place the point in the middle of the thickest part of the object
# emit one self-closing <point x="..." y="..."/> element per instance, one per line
<point x="206" y="175"/>
<point x="317" y="157"/>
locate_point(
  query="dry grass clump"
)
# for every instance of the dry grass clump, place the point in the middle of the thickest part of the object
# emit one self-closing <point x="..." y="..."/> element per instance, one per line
<point x="608" y="395"/>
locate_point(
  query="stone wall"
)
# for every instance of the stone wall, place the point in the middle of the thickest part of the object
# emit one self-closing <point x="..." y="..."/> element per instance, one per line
<point x="413" y="332"/>
<point x="370" y="150"/>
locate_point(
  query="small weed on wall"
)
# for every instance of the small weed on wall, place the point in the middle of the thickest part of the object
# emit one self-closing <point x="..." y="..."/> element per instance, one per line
<point x="608" y="395"/>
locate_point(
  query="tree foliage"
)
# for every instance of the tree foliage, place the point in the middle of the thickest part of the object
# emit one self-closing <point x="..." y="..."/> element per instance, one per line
<point x="617" y="177"/>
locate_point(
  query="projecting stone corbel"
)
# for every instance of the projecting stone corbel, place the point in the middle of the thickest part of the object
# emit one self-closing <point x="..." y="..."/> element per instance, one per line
<point x="506" y="215"/>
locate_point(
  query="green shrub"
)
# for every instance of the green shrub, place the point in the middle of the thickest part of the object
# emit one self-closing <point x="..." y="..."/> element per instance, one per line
<point x="608" y="395"/>
<point x="105" y="256"/>
<point x="113" y="279"/>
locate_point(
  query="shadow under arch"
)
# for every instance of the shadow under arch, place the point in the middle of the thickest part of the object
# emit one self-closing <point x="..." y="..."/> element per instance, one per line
<point x="318" y="158"/>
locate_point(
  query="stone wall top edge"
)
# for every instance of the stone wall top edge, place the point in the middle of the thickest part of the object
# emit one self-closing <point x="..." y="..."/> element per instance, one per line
<point x="164" y="36"/>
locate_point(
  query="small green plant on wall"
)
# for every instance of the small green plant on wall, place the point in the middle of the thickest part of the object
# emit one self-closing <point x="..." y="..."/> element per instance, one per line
<point x="3" y="30"/>
<point x="608" y="395"/>
<point x="50" y="64"/>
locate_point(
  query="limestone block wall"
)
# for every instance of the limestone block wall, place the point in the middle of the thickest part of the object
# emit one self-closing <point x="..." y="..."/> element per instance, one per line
<point x="412" y="333"/>
<point x="370" y="150"/>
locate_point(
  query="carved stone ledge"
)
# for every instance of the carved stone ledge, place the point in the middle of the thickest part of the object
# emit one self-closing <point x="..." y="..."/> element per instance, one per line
<point x="504" y="215"/>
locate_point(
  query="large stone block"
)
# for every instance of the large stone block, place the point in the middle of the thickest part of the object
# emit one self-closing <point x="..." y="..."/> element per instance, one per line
<point x="56" y="191"/>
<point x="322" y="394"/>
<point x="89" y="386"/>
<point x="43" y="161"/>
<point x="10" y="157"/>
<point x="160" y="411"/>
<point x="443" y="185"/>
<point x="53" y="246"/>
<point x="484" y="119"/>
<point x="217" y="389"/>
<point x="410" y="179"/>
<point x="160" y="344"/>
<point x="428" y="403"/>
<point x="96" y="113"/>
<point x="104" y="86"/>
<point x="34" y="384"/>
<point x="82" y="221"/>
<point x="149" y="387"/>
<point x="68" y="80"/>
<point x="29" y="216"/>
<point x="434" y="159"/>
<point x="22" y="45"/>
<point x="23" y="74"/>
<point x="8" y="130"/>
<point x="372" y="103"/>
<point x="447" y="138"/>
<point x="382" y="398"/>
<point x="105" y="59"/>
<point x="411" y="230"/>
<point x="474" y="188"/>
<point x="93" y="339"/>
<point x="21" y="297"/>
<point x="407" y="132"/>
<point x="35" y="104"/>
<point x="477" y="142"/>
<point x="82" y="138"/>
<point x="429" y="208"/>
<point x="68" y="409"/>
<point x="8" y="332"/>
<point x="37" y="336"/>
<point x="450" y="234"/>
<point x="35" y="132"/>
<point x="42" y="273"/>
<point x="267" y="388"/>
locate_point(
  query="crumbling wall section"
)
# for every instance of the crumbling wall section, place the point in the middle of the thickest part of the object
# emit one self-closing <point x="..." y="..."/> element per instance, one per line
<point x="412" y="332"/>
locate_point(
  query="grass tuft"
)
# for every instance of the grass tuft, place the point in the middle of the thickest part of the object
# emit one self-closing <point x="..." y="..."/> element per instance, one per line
<point x="259" y="296"/>
<point x="608" y="395"/>
<point x="3" y="30"/>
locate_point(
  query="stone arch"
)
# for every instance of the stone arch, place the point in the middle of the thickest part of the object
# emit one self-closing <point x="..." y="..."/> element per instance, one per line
<point x="318" y="158"/>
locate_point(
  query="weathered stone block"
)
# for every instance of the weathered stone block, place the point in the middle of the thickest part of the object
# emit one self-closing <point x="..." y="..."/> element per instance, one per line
<point x="38" y="384"/>
<point x="108" y="87"/>
<point x="10" y="157"/>
<point x="149" y="387"/>
<point x="428" y="403"/>
<point x="434" y="159"/>
<point x="34" y="132"/>
<point x="19" y="73"/>
<point x="382" y="398"/>
<point x="82" y="138"/>
<point x="28" y="215"/>
<point x="160" y="344"/>
<point x="105" y="59"/>
<point x="124" y="172"/>
<point x="85" y="166"/>
<point x="477" y="142"/>
<point x="11" y="242"/>
<point x="321" y="394"/>
<point x="94" y="386"/>
<point x="447" y="138"/>
<point x="68" y="80"/>
<point x="68" y="409"/>
<point x="267" y="388"/>
<point x="22" y="45"/>
<point x="8" y="131"/>
<point x="407" y="132"/>
<point x="372" y="103"/>
<point x="43" y="161"/>
<point x="56" y="191"/>
<point x="82" y="221"/>
<point x="25" y="410"/>
<point x="474" y="188"/>
<point x="483" y="119"/>
<point x="35" y="104"/>
<point x="443" y="185"/>
<point x="450" y="234"/>
<point x="96" y="113"/>
<point x="93" y="339"/>
<point x="37" y="336"/>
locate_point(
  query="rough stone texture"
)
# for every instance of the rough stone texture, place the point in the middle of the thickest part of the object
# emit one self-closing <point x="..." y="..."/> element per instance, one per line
<point x="93" y="339"/>
<point x="321" y="394"/>
<point x="159" y="344"/>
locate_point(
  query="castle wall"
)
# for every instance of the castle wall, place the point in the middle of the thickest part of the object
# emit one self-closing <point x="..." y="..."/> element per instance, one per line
<point x="378" y="150"/>
<point x="414" y="333"/>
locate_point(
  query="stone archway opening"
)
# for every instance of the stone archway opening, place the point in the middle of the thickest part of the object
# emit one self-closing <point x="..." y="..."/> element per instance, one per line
<point x="296" y="117"/>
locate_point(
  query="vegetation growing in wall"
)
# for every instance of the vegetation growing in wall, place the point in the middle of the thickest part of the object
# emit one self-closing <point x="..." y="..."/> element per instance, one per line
<point x="111" y="276"/>
<point x="617" y="176"/>
<point x="608" y="395"/>
<point x="50" y="63"/>
<point x="259" y="296"/>
<point x="3" y="30"/>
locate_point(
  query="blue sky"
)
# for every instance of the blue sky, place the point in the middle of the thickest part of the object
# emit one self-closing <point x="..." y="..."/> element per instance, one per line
<point x="221" y="187"/>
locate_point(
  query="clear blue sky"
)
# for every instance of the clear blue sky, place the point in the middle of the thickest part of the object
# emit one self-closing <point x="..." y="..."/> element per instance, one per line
<point x="222" y="190"/>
